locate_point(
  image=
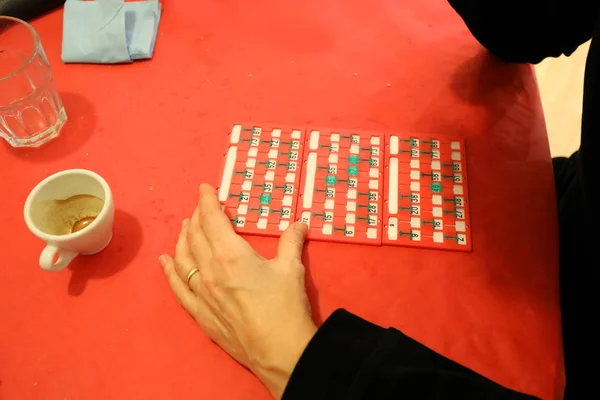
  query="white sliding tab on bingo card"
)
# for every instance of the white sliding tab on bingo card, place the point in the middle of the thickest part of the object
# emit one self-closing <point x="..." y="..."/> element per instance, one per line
<point x="455" y="145"/>
<point x="437" y="212"/>
<point x="333" y="158"/>
<point x="458" y="189"/>
<point x="239" y="222"/>
<point x="354" y="149"/>
<point x="394" y="145"/>
<point x="373" y="173"/>
<point x="227" y="173"/>
<point x="436" y="199"/>
<point x="235" y="133"/>
<point x="283" y="225"/>
<point x="262" y="223"/>
<point x="393" y="187"/>
<point x="350" y="219"/>
<point x="290" y="177"/>
<point x="415" y="175"/>
<point x="276" y="133"/>
<point x="373" y="184"/>
<point x="296" y="134"/>
<point x="242" y="209"/>
<point x="252" y="152"/>
<point x="438" y="237"/>
<point x="372" y="233"/>
<point x="393" y="228"/>
<point x="460" y="226"/>
<point x="314" y="140"/>
<point x="335" y="137"/>
<point x="327" y="229"/>
<point x="415" y="222"/>
<point x="415" y="186"/>
<point x="415" y="164"/>
<point x="287" y="201"/>
<point x="247" y="186"/>
<point x="436" y="165"/>
<point x="351" y="206"/>
<point x="251" y="163"/>
<point x="329" y="204"/>
<point x="375" y="141"/>
<point x="415" y="235"/>
<point x="351" y="194"/>
<point x="306" y="217"/>
<point x="455" y="156"/>
<point x="309" y="185"/>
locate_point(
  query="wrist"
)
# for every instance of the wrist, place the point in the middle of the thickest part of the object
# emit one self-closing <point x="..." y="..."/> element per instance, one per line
<point x="275" y="370"/>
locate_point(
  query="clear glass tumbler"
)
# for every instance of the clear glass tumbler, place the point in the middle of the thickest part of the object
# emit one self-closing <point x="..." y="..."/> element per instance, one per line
<point x="31" y="112"/>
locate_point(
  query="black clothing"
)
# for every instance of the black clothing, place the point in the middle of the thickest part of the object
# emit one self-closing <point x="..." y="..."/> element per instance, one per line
<point x="350" y="358"/>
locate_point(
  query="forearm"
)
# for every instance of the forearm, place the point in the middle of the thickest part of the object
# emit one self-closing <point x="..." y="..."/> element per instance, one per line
<point x="352" y="358"/>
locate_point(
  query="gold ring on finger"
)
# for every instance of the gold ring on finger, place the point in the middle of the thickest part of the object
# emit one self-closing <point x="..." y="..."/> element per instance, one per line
<point x="192" y="273"/>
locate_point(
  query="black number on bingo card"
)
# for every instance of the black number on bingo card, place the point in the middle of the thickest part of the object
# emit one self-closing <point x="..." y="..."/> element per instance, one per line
<point x="328" y="217"/>
<point x="288" y="189"/>
<point x="285" y="212"/>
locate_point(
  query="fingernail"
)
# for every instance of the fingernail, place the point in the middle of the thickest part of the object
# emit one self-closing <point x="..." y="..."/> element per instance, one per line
<point x="301" y="227"/>
<point x="185" y="222"/>
<point x="162" y="260"/>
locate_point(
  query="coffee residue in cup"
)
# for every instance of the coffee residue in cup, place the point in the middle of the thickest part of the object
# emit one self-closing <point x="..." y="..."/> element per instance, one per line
<point x="71" y="215"/>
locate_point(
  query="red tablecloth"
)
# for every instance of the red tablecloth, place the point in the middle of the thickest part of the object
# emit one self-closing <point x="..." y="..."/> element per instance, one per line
<point x="109" y="327"/>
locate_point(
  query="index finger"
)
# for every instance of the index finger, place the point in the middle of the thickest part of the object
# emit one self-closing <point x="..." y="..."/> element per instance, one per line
<point x="212" y="220"/>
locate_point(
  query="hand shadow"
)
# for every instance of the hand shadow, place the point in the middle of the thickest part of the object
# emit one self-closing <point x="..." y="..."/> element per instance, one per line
<point x="125" y="244"/>
<point x="311" y="290"/>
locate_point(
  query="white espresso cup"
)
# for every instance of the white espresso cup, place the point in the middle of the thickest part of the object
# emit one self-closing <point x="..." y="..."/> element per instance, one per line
<point x="49" y="219"/>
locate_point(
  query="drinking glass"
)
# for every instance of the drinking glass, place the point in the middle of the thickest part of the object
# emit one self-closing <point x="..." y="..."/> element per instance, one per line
<point x="31" y="112"/>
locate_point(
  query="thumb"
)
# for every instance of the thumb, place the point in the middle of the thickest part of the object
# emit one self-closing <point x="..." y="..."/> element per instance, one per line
<point x="292" y="242"/>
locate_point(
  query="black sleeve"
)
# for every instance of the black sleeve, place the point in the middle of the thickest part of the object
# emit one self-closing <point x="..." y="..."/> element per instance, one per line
<point x="529" y="30"/>
<point x="350" y="358"/>
<point x="27" y="9"/>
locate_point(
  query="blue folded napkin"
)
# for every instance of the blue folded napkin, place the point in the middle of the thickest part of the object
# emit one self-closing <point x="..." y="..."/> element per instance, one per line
<point x="109" y="31"/>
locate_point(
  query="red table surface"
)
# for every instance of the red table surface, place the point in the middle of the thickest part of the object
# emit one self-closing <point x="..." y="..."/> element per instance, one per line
<point x="109" y="327"/>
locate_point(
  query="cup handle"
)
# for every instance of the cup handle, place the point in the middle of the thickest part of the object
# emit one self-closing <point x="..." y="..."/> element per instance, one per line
<point x="49" y="254"/>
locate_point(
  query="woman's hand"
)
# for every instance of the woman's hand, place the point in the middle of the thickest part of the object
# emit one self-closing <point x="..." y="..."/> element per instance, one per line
<point x="257" y="310"/>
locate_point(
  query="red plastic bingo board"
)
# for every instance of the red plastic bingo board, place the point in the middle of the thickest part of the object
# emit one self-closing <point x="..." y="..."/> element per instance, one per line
<point x="259" y="187"/>
<point x="426" y="193"/>
<point x="342" y="182"/>
<point x="348" y="186"/>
